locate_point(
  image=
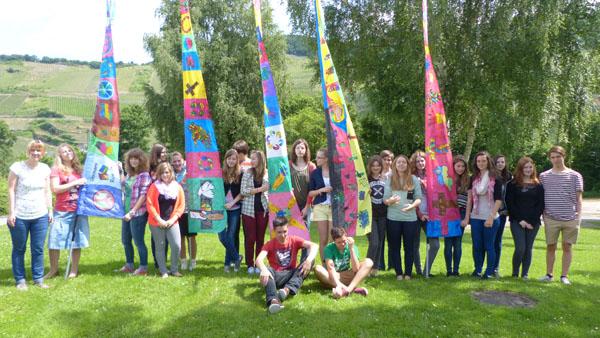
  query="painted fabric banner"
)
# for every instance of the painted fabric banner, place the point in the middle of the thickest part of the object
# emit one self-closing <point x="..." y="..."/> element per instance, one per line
<point x="101" y="195"/>
<point x="351" y="201"/>
<point x="444" y="217"/>
<point x="206" y="198"/>
<point x="281" y="197"/>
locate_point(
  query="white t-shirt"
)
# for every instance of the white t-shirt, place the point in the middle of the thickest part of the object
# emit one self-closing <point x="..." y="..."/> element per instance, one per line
<point x="327" y="184"/>
<point x="30" y="191"/>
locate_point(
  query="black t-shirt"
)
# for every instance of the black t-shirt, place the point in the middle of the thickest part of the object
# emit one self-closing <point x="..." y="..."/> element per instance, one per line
<point x="166" y="206"/>
<point x="377" y="189"/>
<point x="525" y="203"/>
<point x="258" y="207"/>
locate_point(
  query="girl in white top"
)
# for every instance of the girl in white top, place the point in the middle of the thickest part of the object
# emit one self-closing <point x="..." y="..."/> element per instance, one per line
<point x="30" y="211"/>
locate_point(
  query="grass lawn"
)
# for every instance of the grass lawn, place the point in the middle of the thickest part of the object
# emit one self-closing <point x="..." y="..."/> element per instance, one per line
<point x="208" y="302"/>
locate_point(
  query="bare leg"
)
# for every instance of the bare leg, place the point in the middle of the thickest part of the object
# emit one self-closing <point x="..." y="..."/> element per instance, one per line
<point x="54" y="256"/>
<point x="193" y="247"/>
<point x="323" y="227"/>
<point x="75" y="263"/>
<point x="363" y="272"/>
<point x="550" y="258"/>
<point x="183" y="251"/>
<point x="323" y="276"/>
<point x="566" y="258"/>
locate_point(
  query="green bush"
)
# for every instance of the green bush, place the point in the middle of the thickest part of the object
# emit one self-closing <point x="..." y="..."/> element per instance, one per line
<point x="3" y="196"/>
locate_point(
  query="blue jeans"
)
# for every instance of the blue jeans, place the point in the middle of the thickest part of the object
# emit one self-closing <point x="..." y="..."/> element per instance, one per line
<point x="135" y="229"/>
<point x="483" y="243"/>
<point x="23" y="227"/>
<point x="401" y="233"/>
<point x="453" y="248"/>
<point x="498" y="241"/>
<point x="227" y="236"/>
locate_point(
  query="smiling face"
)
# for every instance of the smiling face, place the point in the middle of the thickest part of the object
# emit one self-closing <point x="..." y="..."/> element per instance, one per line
<point x="254" y="160"/>
<point x="528" y="170"/>
<point x="401" y="165"/>
<point x="376" y="168"/>
<point x="420" y="163"/>
<point x="482" y="163"/>
<point x="387" y="162"/>
<point x="459" y="167"/>
<point x="134" y="162"/>
<point x="66" y="154"/>
<point x="166" y="176"/>
<point x="177" y="163"/>
<point x="232" y="160"/>
<point x="163" y="155"/>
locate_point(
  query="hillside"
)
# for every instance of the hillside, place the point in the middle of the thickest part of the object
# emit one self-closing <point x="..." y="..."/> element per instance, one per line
<point x="31" y="93"/>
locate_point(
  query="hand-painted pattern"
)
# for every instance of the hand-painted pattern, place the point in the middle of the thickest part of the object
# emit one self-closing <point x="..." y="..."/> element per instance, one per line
<point x="441" y="192"/>
<point x="206" y="198"/>
<point x="351" y="201"/>
<point x="101" y="196"/>
<point x="281" y="198"/>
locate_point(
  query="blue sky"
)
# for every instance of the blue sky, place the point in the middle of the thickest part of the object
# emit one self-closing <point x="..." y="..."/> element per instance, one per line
<point x="74" y="29"/>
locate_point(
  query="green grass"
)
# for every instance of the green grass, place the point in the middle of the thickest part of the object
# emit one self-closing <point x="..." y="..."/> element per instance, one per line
<point x="209" y="302"/>
<point x="301" y="76"/>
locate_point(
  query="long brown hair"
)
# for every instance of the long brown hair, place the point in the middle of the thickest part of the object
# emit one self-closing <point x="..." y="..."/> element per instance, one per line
<point x="504" y="173"/>
<point x="374" y="159"/>
<point x="306" y="156"/>
<point x="462" y="181"/>
<point x="259" y="171"/>
<point x="519" y="177"/>
<point x="401" y="181"/>
<point x="413" y="163"/>
<point x="491" y="165"/>
<point x="231" y="174"/>
<point x="58" y="162"/>
<point x="155" y="153"/>
<point x="141" y="156"/>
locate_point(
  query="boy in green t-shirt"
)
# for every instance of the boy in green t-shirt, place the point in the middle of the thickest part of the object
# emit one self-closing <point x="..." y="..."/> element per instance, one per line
<point x="344" y="271"/>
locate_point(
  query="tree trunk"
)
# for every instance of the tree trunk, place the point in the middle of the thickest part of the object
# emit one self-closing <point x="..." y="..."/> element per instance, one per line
<point x="471" y="135"/>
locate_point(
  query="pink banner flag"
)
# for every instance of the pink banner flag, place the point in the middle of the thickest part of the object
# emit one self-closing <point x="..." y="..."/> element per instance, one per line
<point x="444" y="217"/>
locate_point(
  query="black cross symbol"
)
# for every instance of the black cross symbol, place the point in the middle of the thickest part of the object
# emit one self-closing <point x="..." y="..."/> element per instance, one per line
<point x="190" y="88"/>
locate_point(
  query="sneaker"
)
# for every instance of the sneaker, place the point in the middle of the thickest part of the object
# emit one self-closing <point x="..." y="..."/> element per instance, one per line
<point x="361" y="291"/>
<point x="256" y="270"/>
<point x="125" y="269"/>
<point x="22" y="287"/>
<point x="399" y="277"/>
<point x="275" y="306"/>
<point x="547" y="278"/>
<point x="140" y="272"/>
<point x="484" y="277"/>
<point x="448" y="274"/>
<point x="476" y="274"/>
<point x="236" y="266"/>
<point x="565" y="280"/>
<point x="406" y="277"/>
<point x="226" y="269"/>
<point x="41" y="285"/>
<point x="525" y="277"/>
<point x="176" y="274"/>
<point x="250" y="270"/>
<point x="184" y="264"/>
<point x="456" y="274"/>
<point x="282" y="294"/>
<point x="373" y="272"/>
<point x="192" y="265"/>
<point x="496" y="274"/>
<point x="164" y="275"/>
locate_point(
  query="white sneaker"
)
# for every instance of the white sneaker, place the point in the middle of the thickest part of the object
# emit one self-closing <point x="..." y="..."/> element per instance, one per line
<point x="184" y="264"/>
<point x="257" y="270"/>
<point x="565" y="280"/>
<point x="226" y="269"/>
<point x="164" y="275"/>
<point x="192" y="264"/>
<point x="546" y="278"/>
<point x="250" y="270"/>
<point x="22" y="287"/>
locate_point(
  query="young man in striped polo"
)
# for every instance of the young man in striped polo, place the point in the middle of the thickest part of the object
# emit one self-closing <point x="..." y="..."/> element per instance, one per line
<point x="563" y="194"/>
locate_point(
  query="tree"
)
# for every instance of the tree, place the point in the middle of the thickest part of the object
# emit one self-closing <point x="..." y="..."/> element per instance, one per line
<point x="226" y="40"/>
<point x="135" y="129"/>
<point x="7" y="140"/>
<point x="509" y="70"/>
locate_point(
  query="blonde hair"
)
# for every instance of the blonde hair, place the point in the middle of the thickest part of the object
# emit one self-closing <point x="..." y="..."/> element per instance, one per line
<point x="58" y="162"/>
<point x="231" y="174"/>
<point x="36" y="144"/>
<point x="413" y="163"/>
<point x="401" y="181"/>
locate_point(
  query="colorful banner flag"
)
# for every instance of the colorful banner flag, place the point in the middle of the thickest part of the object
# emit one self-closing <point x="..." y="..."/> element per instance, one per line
<point x="351" y="201"/>
<point x="101" y="195"/>
<point x="281" y="197"/>
<point x="444" y="217"/>
<point x="206" y="198"/>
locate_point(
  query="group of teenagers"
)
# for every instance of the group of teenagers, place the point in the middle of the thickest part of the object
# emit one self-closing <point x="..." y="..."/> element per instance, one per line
<point x="154" y="193"/>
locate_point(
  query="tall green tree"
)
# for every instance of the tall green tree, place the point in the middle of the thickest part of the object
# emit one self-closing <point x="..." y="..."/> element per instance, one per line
<point x="226" y="39"/>
<point x="514" y="74"/>
<point x="7" y="140"/>
<point x="136" y="129"/>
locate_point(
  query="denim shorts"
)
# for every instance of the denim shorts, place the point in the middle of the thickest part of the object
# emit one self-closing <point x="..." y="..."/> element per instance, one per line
<point x="60" y="233"/>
